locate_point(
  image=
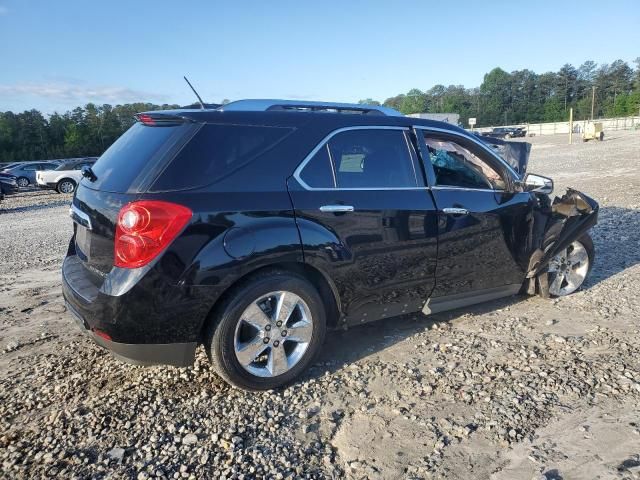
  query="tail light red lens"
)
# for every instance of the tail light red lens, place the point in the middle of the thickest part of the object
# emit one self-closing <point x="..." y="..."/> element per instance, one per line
<point x="145" y="228"/>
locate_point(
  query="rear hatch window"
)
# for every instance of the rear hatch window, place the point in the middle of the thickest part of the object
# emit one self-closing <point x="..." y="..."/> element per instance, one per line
<point x="217" y="151"/>
<point x="136" y="156"/>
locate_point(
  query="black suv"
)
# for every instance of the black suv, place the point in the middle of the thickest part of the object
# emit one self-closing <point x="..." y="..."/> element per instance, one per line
<point x="254" y="227"/>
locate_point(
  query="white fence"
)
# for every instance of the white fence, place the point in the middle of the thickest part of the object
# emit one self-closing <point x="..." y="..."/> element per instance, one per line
<point x="608" y="124"/>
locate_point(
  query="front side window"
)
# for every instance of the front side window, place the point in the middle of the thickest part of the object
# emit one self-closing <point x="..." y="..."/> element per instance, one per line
<point x="456" y="166"/>
<point x="363" y="158"/>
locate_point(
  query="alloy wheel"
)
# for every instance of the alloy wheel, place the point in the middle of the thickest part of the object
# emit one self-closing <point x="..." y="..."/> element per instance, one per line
<point x="273" y="334"/>
<point x="67" y="187"/>
<point x="23" y="182"/>
<point x="568" y="270"/>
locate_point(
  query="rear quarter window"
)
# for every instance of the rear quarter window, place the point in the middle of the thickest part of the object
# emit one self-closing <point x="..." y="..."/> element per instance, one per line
<point x="215" y="152"/>
<point x="139" y="150"/>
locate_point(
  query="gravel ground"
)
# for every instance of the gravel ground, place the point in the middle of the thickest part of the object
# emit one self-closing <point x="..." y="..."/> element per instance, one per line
<point x="517" y="388"/>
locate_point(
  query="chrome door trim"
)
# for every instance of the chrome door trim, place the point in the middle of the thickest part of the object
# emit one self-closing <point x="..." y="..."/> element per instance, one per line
<point x="80" y="217"/>
<point x="455" y="211"/>
<point x="298" y="170"/>
<point x="336" y="208"/>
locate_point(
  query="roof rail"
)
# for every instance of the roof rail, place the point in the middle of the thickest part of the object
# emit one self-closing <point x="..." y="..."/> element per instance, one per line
<point x="263" y="105"/>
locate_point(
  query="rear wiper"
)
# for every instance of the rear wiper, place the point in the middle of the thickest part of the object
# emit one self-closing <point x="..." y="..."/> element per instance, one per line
<point x="87" y="172"/>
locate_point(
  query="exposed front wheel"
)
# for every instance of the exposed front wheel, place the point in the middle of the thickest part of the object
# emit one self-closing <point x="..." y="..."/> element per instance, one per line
<point x="569" y="269"/>
<point x="268" y="332"/>
<point x="66" y="186"/>
<point x="22" y="182"/>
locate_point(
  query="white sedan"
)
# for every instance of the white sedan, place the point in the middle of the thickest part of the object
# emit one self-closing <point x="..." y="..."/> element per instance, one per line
<point x="65" y="178"/>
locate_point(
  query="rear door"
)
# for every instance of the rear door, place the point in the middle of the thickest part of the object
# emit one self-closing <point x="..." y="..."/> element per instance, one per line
<point x="368" y="221"/>
<point x="483" y="223"/>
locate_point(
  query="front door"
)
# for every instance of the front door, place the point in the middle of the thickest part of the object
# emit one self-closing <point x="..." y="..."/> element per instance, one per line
<point x="483" y="223"/>
<point x="368" y="221"/>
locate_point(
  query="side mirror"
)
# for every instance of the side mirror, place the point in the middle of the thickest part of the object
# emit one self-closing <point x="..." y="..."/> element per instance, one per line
<point x="537" y="183"/>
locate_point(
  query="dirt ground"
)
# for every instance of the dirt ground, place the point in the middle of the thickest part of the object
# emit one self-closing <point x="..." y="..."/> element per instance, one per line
<point x="520" y="388"/>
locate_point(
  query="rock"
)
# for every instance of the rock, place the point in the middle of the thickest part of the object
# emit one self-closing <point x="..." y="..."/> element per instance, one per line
<point x="189" y="439"/>
<point x="12" y="346"/>
<point x="116" y="454"/>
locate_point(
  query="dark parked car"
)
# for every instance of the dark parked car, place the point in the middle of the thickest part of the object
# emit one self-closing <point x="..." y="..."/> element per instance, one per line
<point x="26" y="172"/>
<point x="8" y="185"/>
<point x="506" y="132"/>
<point x="252" y="228"/>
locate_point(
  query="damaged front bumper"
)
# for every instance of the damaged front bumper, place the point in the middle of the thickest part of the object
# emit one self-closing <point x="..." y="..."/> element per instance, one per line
<point x="567" y="219"/>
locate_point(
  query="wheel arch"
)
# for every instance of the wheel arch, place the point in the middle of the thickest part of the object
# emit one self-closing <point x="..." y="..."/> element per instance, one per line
<point x="323" y="283"/>
<point x="62" y="179"/>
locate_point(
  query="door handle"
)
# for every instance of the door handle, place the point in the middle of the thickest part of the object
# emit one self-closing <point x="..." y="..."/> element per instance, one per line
<point x="336" y="208"/>
<point x="455" y="211"/>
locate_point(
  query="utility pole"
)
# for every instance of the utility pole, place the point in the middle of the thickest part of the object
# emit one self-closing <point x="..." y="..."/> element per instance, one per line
<point x="593" y="99"/>
<point x="570" y="125"/>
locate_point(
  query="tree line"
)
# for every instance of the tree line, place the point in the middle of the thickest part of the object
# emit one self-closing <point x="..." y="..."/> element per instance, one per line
<point x="521" y="96"/>
<point x="81" y="132"/>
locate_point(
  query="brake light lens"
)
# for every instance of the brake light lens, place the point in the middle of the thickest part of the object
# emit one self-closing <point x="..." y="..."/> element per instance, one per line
<point x="145" y="228"/>
<point x="146" y="119"/>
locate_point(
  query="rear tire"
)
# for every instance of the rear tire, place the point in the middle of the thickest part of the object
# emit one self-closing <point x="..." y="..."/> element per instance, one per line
<point x="22" y="182"/>
<point x="66" y="186"/>
<point x="251" y="346"/>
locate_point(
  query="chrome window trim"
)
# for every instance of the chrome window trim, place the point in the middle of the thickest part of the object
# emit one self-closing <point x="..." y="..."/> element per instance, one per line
<point x="323" y="142"/>
<point x="515" y="176"/>
<point x="332" y="165"/>
<point x="465" y="189"/>
<point x="365" y="189"/>
<point x="413" y="156"/>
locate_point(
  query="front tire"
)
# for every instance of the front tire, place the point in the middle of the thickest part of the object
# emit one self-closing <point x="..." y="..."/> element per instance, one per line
<point x="22" y="182"/>
<point x="267" y="332"/>
<point x="570" y="268"/>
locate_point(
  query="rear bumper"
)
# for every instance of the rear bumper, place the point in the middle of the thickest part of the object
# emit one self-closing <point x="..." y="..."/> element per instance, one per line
<point x="109" y="321"/>
<point x="175" y="354"/>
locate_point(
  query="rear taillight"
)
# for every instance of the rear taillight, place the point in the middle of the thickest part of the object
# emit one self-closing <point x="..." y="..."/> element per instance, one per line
<point x="145" y="228"/>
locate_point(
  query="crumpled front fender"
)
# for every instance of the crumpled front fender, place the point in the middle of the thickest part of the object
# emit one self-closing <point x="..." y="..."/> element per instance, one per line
<point x="568" y="218"/>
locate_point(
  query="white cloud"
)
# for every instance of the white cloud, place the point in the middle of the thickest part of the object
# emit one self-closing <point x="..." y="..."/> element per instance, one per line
<point x="70" y="92"/>
<point x="3" y="10"/>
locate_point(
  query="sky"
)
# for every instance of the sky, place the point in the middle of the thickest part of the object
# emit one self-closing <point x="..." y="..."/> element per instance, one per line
<point x="55" y="55"/>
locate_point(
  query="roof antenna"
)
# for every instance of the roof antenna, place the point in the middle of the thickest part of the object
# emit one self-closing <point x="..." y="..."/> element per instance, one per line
<point x="194" y="91"/>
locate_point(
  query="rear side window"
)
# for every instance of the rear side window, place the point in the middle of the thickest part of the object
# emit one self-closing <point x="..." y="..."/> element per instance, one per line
<point x="138" y="149"/>
<point x="319" y="171"/>
<point x="215" y="152"/>
<point x="364" y="158"/>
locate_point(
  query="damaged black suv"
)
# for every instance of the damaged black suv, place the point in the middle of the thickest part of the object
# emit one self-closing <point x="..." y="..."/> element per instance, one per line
<point x="252" y="228"/>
